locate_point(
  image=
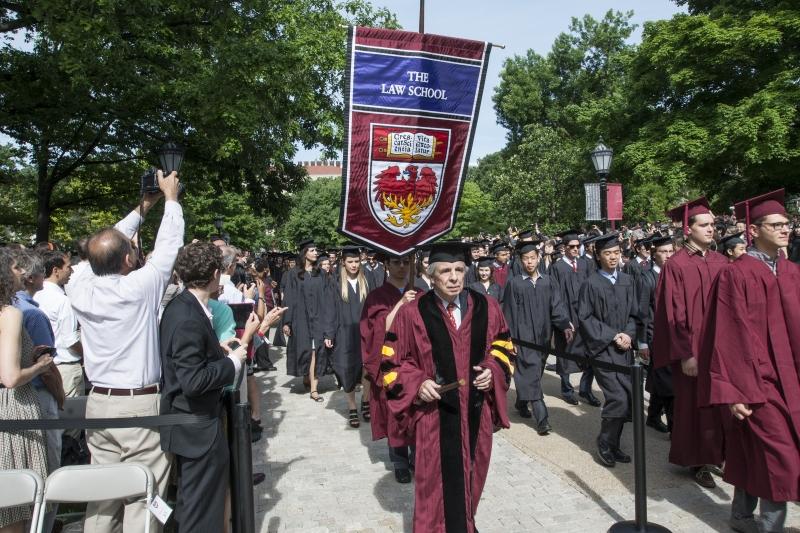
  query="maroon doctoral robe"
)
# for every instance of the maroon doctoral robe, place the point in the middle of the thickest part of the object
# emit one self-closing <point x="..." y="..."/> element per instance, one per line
<point x="377" y="306"/>
<point x="681" y="303"/>
<point x="752" y="362"/>
<point x="453" y="435"/>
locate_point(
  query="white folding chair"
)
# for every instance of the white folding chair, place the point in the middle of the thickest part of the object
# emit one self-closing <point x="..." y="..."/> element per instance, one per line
<point x="95" y="483"/>
<point x="22" y="487"/>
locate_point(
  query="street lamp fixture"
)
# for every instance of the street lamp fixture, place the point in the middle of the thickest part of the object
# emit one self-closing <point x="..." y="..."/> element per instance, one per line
<point x="171" y="157"/>
<point x="602" y="156"/>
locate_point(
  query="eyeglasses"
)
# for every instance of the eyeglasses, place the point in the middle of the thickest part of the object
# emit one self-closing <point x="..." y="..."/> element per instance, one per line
<point x="573" y="246"/>
<point x="775" y="226"/>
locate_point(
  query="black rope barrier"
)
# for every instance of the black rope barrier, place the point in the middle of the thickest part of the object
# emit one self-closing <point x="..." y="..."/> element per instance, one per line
<point x="636" y="371"/>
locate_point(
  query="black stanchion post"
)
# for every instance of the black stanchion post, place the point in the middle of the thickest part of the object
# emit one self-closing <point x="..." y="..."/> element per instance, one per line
<point x="244" y="503"/>
<point x="230" y="408"/>
<point x="640" y="525"/>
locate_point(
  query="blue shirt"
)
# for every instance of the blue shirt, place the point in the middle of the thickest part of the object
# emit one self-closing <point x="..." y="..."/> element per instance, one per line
<point x="36" y="324"/>
<point x="610" y="277"/>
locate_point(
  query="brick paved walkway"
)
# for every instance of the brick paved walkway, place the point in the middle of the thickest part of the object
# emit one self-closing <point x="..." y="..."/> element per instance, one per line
<point x="325" y="477"/>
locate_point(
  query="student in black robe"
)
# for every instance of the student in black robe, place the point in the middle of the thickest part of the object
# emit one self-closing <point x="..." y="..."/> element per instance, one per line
<point x="569" y="273"/>
<point x="641" y="261"/>
<point x="475" y="253"/>
<point x="732" y="246"/>
<point x="485" y="284"/>
<point x="608" y="312"/>
<point x="344" y="316"/>
<point x="532" y="306"/>
<point x="422" y="281"/>
<point x="659" y="380"/>
<point x="303" y="296"/>
<point x="374" y="270"/>
<point x="587" y="257"/>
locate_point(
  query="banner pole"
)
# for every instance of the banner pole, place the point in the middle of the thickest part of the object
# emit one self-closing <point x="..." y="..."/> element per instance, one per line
<point x="422" y="16"/>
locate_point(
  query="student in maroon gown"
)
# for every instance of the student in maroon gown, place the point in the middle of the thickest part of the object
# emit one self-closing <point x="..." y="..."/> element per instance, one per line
<point x="681" y="303"/>
<point x="449" y="337"/>
<point x="377" y="315"/>
<point x="753" y="369"/>
<point x="502" y="253"/>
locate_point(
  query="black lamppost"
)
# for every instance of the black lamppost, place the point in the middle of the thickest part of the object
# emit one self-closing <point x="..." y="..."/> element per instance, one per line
<point x="171" y="157"/>
<point x="602" y="156"/>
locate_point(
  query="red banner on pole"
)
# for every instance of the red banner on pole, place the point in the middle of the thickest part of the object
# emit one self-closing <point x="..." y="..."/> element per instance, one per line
<point x="614" y="201"/>
<point x="412" y="103"/>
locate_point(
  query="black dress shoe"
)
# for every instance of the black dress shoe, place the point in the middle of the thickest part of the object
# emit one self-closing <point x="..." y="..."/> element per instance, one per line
<point x="658" y="425"/>
<point x="621" y="457"/>
<point x="402" y="475"/>
<point x="590" y="398"/>
<point x="570" y="400"/>
<point x="605" y="454"/>
<point x="258" y="478"/>
<point x="270" y="368"/>
<point x="544" y="428"/>
<point x="523" y="409"/>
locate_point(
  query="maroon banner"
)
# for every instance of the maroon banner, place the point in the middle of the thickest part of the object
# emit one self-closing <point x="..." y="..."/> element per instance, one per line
<point x="412" y="103"/>
<point x="614" y="201"/>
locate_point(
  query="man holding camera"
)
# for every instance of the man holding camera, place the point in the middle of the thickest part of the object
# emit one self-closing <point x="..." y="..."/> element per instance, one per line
<point x="117" y="304"/>
<point x="196" y="369"/>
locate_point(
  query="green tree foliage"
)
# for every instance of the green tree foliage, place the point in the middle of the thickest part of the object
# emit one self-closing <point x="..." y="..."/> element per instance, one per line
<point x="102" y="85"/>
<point x="555" y="107"/>
<point x="477" y="213"/>
<point x="314" y="214"/>
<point x="718" y="101"/>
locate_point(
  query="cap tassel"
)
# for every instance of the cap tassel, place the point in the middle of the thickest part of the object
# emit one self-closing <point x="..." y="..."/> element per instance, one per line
<point x="686" y="220"/>
<point x="747" y="222"/>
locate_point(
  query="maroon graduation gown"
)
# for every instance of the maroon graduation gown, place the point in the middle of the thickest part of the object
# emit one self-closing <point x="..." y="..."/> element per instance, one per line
<point x="453" y="436"/>
<point x="751" y="362"/>
<point x="681" y="303"/>
<point x="377" y="306"/>
<point x="501" y="274"/>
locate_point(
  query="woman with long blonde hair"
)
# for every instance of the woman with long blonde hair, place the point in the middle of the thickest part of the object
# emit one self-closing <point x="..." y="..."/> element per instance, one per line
<point x="345" y="317"/>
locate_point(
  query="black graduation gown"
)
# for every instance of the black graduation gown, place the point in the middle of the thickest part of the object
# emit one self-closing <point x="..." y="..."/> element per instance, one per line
<point x="531" y="312"/>
<point x="306" y="296"/>
<point x="589" y="263"/>
<point x="605" y="309"/>
<point x="569" y="284"/>
<point x="344" y="320"/>
<point x="375" y="276"/>
<point x="659" y="381"/>
<point x="493" y="290"/>
<point x="421" y="285"/>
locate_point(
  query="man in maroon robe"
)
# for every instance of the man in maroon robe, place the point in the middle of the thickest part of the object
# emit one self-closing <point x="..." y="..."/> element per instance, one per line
<point x="681" y="303"/>
<point x="447" y="363"/>
<point x="377" y="315"/>
<point x="753" y="369"/>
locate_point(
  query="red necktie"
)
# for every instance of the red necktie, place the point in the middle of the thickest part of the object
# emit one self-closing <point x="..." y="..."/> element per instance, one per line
<point x="643" y="263"/>
<point x="574" y="266"/>
<point x="450" y="314"/>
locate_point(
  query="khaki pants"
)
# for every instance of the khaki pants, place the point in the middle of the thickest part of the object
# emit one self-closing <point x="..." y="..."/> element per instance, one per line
<point x="72" y="377"/>
<point x="120" y="445"/>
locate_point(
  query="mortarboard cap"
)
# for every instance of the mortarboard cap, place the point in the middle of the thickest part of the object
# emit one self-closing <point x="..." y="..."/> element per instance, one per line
<point x="485" y="261"/>
<point x="351" y="251"/>
<point x="569" y="235"/>
<point x="729" y="242"/>
<point x="682" y="213"/>
<point x="305" y="243"/>
<point x="525" y="234"/>
<point x="500" y="246"/>
<point x="523" y="247"/>
<point x="448" y="252"/>
<point x="770" y="203"/>
<point x="655" y="242"/>
<point x="609" y="240"/>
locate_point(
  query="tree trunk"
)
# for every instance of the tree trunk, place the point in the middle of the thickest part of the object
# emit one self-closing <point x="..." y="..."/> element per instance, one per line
<point x="44" y="192"/>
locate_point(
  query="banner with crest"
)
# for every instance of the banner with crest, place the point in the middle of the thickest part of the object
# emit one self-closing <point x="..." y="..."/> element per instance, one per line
<point x="412" y="104"/>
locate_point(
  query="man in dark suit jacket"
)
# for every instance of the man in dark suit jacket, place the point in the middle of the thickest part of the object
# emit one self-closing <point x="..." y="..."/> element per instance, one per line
<point x="196" y="368"/>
